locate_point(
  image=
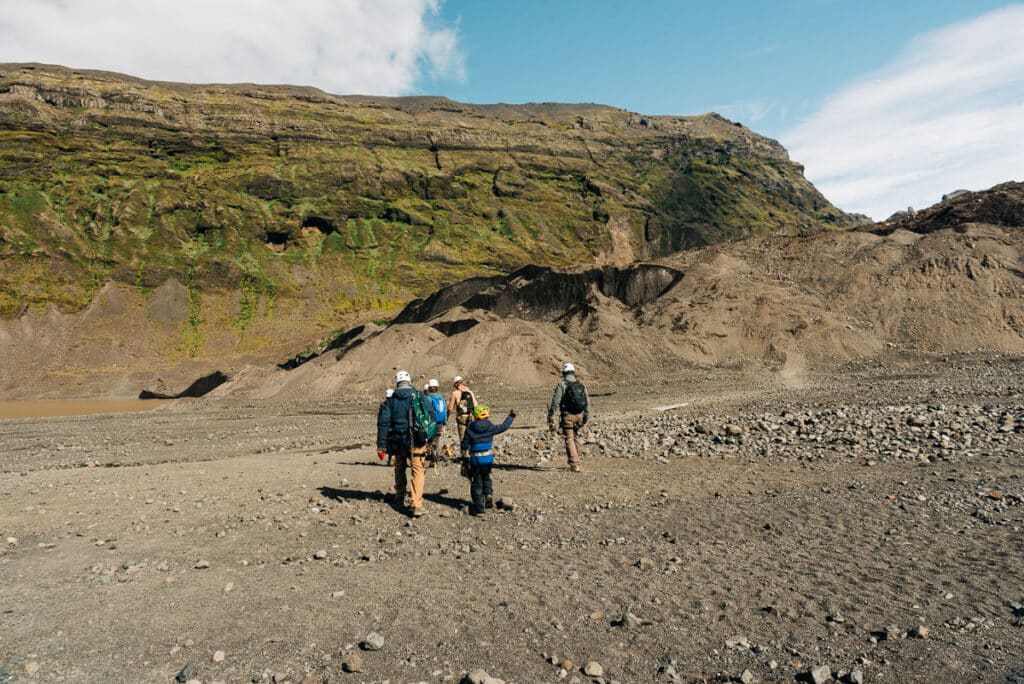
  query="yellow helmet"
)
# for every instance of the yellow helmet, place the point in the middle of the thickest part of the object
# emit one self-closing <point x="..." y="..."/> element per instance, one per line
<point x="481" y="411"/>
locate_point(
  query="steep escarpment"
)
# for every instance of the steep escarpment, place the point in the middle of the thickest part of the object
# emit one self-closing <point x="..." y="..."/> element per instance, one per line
<point x="285" y="212"/>
<point x="785" y="305"/>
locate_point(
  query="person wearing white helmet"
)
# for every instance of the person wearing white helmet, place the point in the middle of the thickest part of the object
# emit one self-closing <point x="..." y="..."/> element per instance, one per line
<point x="571" y="405"/>
<point x="433" y="390"/>
<point x="461" y="403"/>
<point x="402" y="433"/>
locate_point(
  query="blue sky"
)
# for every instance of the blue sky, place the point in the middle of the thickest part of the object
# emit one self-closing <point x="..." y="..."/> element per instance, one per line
<point x="887" y="104"/>
<point x="767" y="63"/>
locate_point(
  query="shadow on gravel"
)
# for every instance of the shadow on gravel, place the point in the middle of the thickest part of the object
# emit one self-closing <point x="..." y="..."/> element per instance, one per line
<point x="360" y="495"/>
<point x="513" y="466"/>
<point x="440" y="498"/>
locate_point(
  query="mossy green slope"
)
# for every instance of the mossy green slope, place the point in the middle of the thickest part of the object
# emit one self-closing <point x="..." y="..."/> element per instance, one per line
<point x="351" y="205"/>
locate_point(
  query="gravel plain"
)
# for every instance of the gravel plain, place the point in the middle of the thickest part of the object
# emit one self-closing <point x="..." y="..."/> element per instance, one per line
<point x="863" y="526"/>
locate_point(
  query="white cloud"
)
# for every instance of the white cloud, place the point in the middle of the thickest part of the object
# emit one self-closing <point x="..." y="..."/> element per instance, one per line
<point x="947" y="114"/>
<point x="378" y="47"/>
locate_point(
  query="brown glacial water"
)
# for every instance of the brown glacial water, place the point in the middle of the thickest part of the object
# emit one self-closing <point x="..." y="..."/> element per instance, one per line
<point x="74" y="407"/>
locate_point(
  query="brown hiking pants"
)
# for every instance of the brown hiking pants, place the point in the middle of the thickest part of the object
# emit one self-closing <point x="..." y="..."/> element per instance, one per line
<point x="404" y="457"/>
<point x="571" y="424"/>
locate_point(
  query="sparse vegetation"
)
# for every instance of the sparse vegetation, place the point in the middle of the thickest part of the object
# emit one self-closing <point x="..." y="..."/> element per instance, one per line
<point x="216" y="189"/>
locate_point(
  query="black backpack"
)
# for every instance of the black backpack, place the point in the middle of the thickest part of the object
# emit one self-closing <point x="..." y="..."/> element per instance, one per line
<point x="574" y="399"/>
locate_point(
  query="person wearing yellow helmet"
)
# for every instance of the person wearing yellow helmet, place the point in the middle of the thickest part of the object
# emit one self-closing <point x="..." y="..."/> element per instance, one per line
<point x="479" y="442"/>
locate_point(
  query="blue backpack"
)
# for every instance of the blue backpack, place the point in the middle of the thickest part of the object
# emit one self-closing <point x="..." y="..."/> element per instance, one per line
<point x="440" y="406"/>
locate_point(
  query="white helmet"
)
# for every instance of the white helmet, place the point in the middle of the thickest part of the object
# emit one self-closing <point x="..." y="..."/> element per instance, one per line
<point x="402" y="376"/>
<point x="426" y="386"/>
<point x="457" y="380"/>
<point x="388" y="392"/>
<point x="433" y="383"/>
<point x="568" y="368"/>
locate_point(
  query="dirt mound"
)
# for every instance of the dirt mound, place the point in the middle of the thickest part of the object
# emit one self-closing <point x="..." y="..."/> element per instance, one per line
<point x="1002" y="205"/>
<point x="789" y="306"/>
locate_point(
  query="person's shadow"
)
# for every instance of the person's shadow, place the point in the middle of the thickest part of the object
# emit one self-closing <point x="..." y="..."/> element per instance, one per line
<point x="380" y="497"/>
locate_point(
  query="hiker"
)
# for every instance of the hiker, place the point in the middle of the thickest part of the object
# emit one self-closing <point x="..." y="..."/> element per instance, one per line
<point x="461" y="403"/>
<point x="440" y="416"/>
<point x="404" y="426"/>
<point x="387" y="395"/>
<point x="572" y="405"/>
<point x="479" y="442"/>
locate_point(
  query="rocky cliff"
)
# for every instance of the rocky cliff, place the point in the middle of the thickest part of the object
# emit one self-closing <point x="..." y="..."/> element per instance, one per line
<point x="246" y="217"/>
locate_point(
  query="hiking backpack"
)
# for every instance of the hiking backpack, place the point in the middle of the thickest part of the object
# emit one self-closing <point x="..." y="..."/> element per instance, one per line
<point x="466" y="403"/>
<point x="440" y="407"/>
<point x="574" y="398"/>
<point x="421" y="420"/>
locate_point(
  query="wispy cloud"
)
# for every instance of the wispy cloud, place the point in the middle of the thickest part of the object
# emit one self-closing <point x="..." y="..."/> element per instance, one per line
<point x="750" y="112"/>
<point x="760" y="51"/>
<point x="947" y="114"/>
<point x="380" y="47"/>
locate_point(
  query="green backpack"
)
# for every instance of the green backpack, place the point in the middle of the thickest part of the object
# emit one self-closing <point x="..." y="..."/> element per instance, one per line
<point x="423" y="421"/>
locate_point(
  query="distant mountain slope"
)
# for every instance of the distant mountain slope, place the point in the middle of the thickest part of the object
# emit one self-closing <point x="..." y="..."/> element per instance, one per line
<point x="253" y="216"/>
<point x="788" y="305"/>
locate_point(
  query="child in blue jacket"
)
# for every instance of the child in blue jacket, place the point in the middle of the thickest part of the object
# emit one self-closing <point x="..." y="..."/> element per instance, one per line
<point x="479" y="442"/>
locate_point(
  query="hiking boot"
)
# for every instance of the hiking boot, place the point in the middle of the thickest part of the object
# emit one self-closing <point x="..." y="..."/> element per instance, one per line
<point x="574" y="468"/>
<point x="489" y="503"/>
<point x="474" y="511"/>
<point x="417" y="512"/>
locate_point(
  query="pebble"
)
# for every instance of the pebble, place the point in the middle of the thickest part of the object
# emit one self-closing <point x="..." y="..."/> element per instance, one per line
<point x="187" y="673"/>
<point x="218" y="657"/>
<point x="31" y="667"/>
<point x="644" y="564"/>
<point x="353" y="663"/>
<point x="202" y="565"/>
<point x="918" y="632"/>
<point x="593" y="669"/>
<point x="337" y="594"/>
<point x="630" y="621"/>
<point x="820" y="674"/>
<point x="747" y="677"/>
<point x="320" y="555"/>
<point x="372" y="642"/>
<point x="737" y="642"/>
<point x="479" y="676"/>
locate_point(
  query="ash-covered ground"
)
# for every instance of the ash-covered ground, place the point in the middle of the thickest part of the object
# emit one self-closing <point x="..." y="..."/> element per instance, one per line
<point x="866" y="526"/>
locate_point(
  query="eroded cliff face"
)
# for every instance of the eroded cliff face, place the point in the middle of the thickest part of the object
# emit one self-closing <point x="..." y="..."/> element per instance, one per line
<point x="285" y="212"/>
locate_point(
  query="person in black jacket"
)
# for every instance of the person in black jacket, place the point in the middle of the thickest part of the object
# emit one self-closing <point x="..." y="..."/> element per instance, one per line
<point x="395" y="437"/>
<point x="479" y="442"/>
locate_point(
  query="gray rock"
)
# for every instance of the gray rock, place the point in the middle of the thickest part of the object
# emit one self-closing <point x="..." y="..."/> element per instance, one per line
<point x="747" y="677"/>
<point x="856" y="676"/>
<point x="202" y="565"/>
<point x="320" y="555"/>
<point x="373" y="642"/>
<point x="630" y="621"/>
<point x="737" y="642"/>
<point x="479" y="676"/>
<point x="188" y="672"/>
<point x="593" y="669"/>
<point x="820" y="674"/>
